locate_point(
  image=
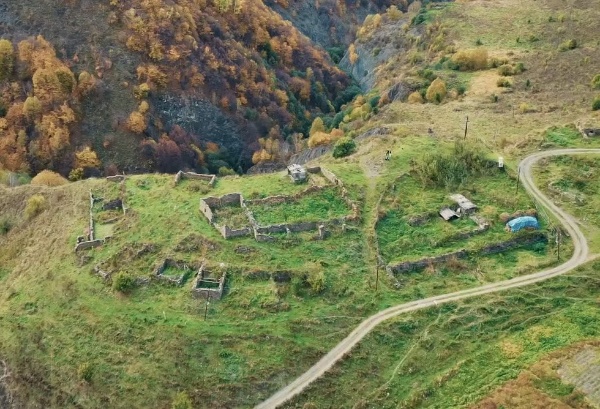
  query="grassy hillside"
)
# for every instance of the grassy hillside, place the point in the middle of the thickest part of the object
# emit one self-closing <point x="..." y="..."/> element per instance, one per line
<point x="73" y="339"/>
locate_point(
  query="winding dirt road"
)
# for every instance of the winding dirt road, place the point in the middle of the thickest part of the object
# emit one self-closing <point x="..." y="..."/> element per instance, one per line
<point x="580" y="256"/>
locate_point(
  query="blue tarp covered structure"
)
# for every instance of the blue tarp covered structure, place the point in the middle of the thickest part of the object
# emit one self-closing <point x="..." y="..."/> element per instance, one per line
<point x="523" y="223"/>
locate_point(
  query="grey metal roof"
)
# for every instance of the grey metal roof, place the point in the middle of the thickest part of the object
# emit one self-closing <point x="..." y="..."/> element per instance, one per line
<point x="448" y="214"/>
<point x="463" y="202"/>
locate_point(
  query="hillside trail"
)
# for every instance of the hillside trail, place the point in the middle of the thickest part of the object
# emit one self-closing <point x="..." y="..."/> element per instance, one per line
<point x="371" y="168"/>
<point x="580" y="256"/>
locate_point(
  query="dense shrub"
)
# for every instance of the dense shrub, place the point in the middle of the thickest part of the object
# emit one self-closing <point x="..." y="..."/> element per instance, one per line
<point x="596" y="104"/>
<point x="48" y="178"/>
<point x="123" y="282"/>
<point x="437" y="91"/>
<point x="225" y="171"/>
<point x="506" y="70"/>
<point x="451" y="170"/>
<point x="316" y="280"/>
<point x="344" y="147"/>
<point x="504" y="83"/>
<point x="471" y="60"/>
<point x="85" y="372"/>
<point x="415" y="98"/>
<point x="182" y="401"/>
<point x="5" y="226"/>
<point x="596" y="81"/>
<point x="35" y="205"/>
<point x="568" y="45"/>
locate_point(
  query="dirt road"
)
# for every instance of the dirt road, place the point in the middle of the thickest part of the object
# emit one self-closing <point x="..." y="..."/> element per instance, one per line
<point x="580" y="256"/>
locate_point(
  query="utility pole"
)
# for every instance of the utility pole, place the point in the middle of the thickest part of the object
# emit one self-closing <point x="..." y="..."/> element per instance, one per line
<point x="207" y="302"/>
<point x="518" y="179"/>
<point x="558" y="243"/>
<point x="377" y="277"/>
<point x="466" y="127"/>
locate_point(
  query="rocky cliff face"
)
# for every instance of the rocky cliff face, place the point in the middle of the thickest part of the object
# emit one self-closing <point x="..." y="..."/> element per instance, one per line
<point x="327" y="22"/>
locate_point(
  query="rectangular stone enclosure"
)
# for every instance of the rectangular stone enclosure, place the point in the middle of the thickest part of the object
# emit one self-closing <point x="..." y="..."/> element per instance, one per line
<point x="210" y="205"/>
<point x="209" y="283"/>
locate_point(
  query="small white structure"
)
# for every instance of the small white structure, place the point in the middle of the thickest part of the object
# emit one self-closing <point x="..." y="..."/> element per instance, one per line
<point x="500" y="162"/>
<point x="297" y="173"/>
<point x="448" y="214"/>
<point x="465" y="206"/>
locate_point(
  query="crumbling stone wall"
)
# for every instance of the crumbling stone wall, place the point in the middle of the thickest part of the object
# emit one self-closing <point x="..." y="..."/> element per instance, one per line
<point x="331" y="177"/>
<point x="84" y="245"/>
<point x="116" y="178"/>
<point x="198" y="291"/>
<point x="181" y="265"/>
<point x="91" y="242"/>
<point x="495" y="248"/>
<point x="229" y="233"/>
<point x="206" y="210"/>
<point x="261" y="233"/>
<point x="207" y="205"/>
<point x="211" y="179"/>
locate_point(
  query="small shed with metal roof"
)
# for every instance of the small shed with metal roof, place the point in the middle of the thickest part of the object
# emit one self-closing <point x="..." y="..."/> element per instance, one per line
<point x="465" y="206"/>
<point x="448" y="214"/>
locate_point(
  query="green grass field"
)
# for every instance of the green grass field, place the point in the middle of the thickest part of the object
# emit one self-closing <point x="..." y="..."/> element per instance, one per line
<point x="399" y="241"/>
<point x="322" y="205"/>
<point x="455" y="355"/>
<point x="71" y="341"/>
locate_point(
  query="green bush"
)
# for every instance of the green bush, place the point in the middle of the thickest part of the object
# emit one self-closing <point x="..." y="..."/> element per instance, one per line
<point x="344" y="147"/>
<point x="225" y="171"/>
<point x="123" y="282"/>
<point x="504" y="83"/>
<point x="182" y="401"/>
<point x="5" y="226"/>
<point x="316" y="280"/>
<point x="85" y="372"/>
<point x="596" y="104"/>
<point x="452" y="170"/>
<point x="596" y="81"/>
<point x="35" y="205"/>
<point x="506" y="70"/>
<point x="568" y="45"/>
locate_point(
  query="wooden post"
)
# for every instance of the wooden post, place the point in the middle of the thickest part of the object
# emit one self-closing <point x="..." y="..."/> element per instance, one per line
<point x="377" y="277"/>
<point x="518" y="179"/>
<point x="466" y="127"/>
<point x="207" y="302"/>
<point x="558" y="243"/>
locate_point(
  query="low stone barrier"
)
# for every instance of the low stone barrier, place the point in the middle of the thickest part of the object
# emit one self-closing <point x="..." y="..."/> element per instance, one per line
<point x="211" y="179"/>
<point x="521" y="241"/>
<point x="177" y="280"/>
<point x="116" y="178"/>
<point x="84" y="245"/>
<point x="331" y="177"/>
<point x="229" y="233"/>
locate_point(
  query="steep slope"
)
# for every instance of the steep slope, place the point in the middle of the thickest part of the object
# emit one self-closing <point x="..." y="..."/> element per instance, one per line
<point x="226" y="72"/>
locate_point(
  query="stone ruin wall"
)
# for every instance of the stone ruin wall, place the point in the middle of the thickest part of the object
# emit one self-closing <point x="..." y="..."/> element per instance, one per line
<point x="331" y="177"/>
<point x="261" y="233"/>
<point x="211" y="179"/>
<point x="494" y="248"/>
<point x="116" y="178"/>
<point x="91" y="242"/>
<point x="212" y="293"/>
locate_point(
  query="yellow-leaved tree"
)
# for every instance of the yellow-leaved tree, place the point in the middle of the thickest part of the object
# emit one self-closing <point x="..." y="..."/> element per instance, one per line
<point x="436" y="91"/>
<point x="7" y="59"/>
